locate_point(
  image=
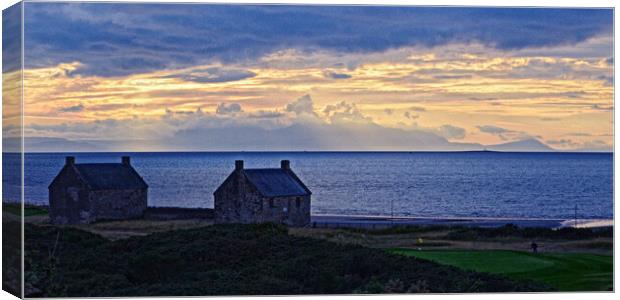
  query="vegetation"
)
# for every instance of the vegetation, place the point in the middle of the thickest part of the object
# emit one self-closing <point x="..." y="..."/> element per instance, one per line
<point x="232" y="260"/>
<point x="565" y="272"/>
<point x="464" y="233"/>
<point x="11" y="257"/>
<point x="29" y="210"/>
<point x="567" y="233"/>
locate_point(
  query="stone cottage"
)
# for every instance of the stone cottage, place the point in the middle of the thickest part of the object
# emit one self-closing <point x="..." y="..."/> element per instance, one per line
<point x="263" y="195"/>
<point x="84" y="193"/>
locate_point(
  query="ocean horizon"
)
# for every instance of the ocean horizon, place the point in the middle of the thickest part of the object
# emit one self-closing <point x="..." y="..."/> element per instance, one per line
<point x="466" y="184"/>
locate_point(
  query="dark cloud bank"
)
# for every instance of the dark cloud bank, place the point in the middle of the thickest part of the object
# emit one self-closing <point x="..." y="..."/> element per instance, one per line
<point x="123" y="38"/>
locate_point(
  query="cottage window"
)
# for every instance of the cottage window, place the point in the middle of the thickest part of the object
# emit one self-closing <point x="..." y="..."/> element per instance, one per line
<point x="271" y="203"/>
<point x="298" y="202"/>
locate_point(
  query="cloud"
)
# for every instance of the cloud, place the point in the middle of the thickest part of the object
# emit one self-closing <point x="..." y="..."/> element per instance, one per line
<point x="599" y="107"/>
<point x="410" y="116"/>
<point x="344" y="113"/>
<point x="608" y="80"/>
<point x="334" y="75"/>
<point x="451" y="132"/>
<point x="597" y="145"/>
<point x="74" y="108"/>
<point x="452" y="76"/>
<point x="482" y="98"/>
<point x="591" y="145"/>
<point x="506" y="134"/>
<point x="341" y="127"/>
<point x="578" y="134"/>
<point x="294" y="126"/>
<point x="124" y="38"/>
<point x="563" y="143"/>
<point x="213" y="75"/>
<point x="228" y="108"/>
<point x="492" y="129"/>
<point x="303" y="105"/>
<point x="11" y="38"/>
<point x="263" y="114"/>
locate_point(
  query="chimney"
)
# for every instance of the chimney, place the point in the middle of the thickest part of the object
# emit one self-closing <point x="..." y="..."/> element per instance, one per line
<point x="70" y="160"/>
<point x="238" y="165"/>
<point x="126" y="160"/>
<point x="285" y="164"/>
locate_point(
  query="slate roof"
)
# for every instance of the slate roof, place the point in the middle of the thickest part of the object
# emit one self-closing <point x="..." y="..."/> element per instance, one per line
<point x="276" y="182"/>
<point x="110" y="176"/>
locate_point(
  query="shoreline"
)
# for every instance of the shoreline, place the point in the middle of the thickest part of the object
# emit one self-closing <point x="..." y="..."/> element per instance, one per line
<point x="384" y="222"/>
<point x="160" y="213"/>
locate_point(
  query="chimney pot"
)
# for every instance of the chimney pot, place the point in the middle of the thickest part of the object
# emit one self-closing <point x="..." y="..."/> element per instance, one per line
<point x="285" y="164"/>
<point x="238" y="165"/>
<point x="70" y="160"/>
<point x="126" y="160"/>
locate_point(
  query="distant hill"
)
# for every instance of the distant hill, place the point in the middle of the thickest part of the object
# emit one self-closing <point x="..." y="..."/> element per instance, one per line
<point x="43" y="144"/>
<point x="528" y="145"/>
<point x="297" y="138"/>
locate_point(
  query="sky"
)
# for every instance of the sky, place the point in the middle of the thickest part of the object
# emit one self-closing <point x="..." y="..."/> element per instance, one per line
<point x="175" y="77"/>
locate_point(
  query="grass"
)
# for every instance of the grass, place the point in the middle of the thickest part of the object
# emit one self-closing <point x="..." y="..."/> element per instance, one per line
<point x="469" y="233"/>
<point x="565" y="272"/>
<point x="15" y="209"/>
<point x="11" y="257"/>
<point x="232" y="260"/>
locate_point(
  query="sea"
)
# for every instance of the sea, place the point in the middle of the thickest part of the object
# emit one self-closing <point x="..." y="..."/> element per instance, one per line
<point x="400" y="184"/>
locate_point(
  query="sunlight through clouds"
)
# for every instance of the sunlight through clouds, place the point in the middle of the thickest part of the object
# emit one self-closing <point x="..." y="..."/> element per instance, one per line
<point x="450" y="89"/>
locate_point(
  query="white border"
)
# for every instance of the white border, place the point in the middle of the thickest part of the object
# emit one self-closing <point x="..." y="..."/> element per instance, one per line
<point x="510" y="3"/>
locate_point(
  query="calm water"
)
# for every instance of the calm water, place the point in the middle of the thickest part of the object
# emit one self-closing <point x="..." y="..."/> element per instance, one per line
<point x="474" y="184"/>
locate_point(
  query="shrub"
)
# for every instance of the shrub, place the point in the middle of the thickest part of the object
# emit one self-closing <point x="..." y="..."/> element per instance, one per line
<point x="232" y="260"/>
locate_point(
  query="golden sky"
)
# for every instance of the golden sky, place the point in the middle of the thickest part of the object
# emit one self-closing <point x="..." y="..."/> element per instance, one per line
<point x="462" y="92"/>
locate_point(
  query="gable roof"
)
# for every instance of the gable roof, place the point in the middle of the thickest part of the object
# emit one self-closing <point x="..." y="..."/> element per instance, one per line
<point x="276" y="182"/>
<point x="110" y="176"/>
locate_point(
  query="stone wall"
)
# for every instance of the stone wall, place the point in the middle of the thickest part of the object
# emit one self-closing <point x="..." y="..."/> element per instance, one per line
<point x="285" y="210"/>
<point x="72" y="202"/>
<point x="238" y="201"/>
<point x="68" y="199"/>
<point x="117" y="204"/>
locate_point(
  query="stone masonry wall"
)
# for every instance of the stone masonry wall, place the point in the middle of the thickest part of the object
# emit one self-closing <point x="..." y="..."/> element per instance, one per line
<point x="238" y="201"/>
<point x="284" y="210"/>
<point x="117" y="204"/>
<point x="68" y="197"/>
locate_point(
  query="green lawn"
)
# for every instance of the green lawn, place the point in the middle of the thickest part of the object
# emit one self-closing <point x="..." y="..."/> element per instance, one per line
<point x="566" y="272"/>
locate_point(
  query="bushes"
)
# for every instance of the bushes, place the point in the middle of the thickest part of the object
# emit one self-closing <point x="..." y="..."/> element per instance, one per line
<point x="232" y="260"/>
